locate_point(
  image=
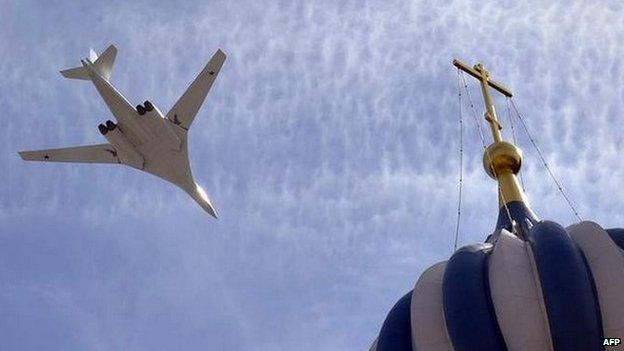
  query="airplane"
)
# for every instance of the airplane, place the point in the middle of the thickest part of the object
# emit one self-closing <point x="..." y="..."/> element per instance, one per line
<point x="142" y="137"/>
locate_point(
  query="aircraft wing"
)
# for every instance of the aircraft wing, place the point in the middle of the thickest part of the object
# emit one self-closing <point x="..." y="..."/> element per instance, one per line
<point x="100" y="153"/>
<point x="185" y="109"/>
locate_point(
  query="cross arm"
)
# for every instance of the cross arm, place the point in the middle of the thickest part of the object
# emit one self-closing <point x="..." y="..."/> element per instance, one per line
<point x="473" y="72"/>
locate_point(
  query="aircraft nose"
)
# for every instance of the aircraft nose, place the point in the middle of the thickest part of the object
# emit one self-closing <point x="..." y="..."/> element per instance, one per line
<point x="202" y="199"/>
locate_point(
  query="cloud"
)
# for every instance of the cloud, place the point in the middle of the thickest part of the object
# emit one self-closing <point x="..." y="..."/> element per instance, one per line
<point x="328" y="144"/>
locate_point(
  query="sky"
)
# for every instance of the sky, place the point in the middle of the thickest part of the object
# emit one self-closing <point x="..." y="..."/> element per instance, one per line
<point x="328" y="144"/>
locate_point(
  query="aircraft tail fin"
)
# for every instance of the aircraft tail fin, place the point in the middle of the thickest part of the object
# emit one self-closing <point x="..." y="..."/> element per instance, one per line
<point x="92" y="55"/>
<point x="102" y="64"/>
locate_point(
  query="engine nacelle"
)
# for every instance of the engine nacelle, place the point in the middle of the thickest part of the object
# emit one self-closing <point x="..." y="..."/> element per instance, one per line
<point x="102" y="128"/>
<point x="125" y="150"/>
<point x="148" y="106"/>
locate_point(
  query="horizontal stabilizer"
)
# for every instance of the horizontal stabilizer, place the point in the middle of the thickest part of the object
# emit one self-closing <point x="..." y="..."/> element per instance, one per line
<point x="76" y="73"/>
<point x="103" y="65"/>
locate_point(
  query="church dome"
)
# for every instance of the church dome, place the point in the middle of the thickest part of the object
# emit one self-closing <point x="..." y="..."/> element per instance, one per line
<point x="533" y="285"/>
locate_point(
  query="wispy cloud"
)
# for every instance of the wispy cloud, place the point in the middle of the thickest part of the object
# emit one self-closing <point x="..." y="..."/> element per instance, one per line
<point x="328" y="144"/>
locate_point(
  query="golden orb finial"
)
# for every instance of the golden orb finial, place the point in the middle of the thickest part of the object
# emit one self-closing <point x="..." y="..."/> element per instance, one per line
<point x="500" y="158"/>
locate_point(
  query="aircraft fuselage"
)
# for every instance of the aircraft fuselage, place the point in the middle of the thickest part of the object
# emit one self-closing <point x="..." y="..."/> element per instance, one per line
<point x="141" y="137"/>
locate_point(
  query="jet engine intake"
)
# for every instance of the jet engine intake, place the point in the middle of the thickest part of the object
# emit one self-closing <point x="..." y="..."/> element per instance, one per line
<point x="110" y="125"/>
<point x="140" y="109"/>
<point x="148" y="106"/>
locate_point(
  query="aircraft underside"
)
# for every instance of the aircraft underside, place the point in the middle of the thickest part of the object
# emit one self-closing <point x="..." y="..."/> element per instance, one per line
<point x="142" y="137"/>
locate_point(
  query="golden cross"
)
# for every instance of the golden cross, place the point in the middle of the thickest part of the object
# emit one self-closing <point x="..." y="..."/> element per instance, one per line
<point x="479" y="72"/>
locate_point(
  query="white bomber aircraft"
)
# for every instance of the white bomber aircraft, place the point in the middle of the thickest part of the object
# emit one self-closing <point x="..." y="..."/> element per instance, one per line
<point x="142" y="138"/>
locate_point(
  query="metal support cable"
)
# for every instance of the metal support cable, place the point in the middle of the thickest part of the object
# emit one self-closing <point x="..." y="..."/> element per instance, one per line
<point x="461" y="160"/>
<point x="513" y="137"/>
<point x="543" y="159"/>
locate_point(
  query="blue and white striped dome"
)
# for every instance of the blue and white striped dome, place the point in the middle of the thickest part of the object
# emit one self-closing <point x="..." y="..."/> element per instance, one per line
<point x="555" y="289"/>
<point x="532" y="286"/>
